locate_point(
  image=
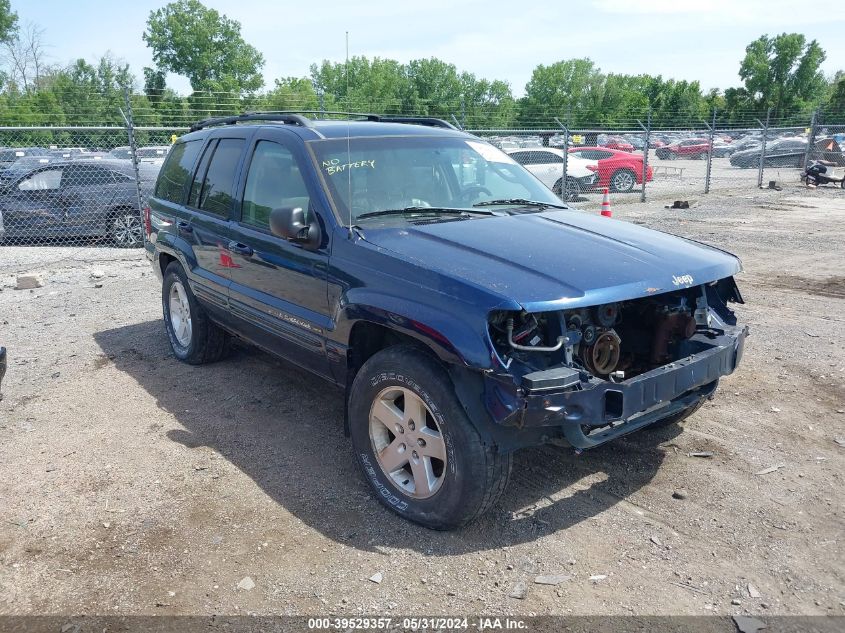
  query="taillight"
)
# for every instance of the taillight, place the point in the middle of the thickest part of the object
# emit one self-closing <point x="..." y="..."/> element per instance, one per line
<point x="148" y="225"/>
<point x="593" y="167"/>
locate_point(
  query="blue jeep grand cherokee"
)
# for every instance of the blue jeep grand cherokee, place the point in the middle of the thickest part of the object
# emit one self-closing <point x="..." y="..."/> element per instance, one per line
<point x="465" y="311"/>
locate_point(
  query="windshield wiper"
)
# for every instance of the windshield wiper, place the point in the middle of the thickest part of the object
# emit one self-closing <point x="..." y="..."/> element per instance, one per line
<point x="520" y="202"/>
<point x="430" y="210"/>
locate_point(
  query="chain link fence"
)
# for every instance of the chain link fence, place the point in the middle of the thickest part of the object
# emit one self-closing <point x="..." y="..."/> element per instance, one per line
<point x="671" y="164"/>
<point x="85" y="185"/>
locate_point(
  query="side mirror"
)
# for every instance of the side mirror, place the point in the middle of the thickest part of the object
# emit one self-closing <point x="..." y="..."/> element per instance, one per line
<point x="289" y="223"/>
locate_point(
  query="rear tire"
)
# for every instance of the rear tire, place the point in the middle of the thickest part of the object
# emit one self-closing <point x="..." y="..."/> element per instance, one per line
<point x="418" y="450"/>
<point x="194" y="339"/>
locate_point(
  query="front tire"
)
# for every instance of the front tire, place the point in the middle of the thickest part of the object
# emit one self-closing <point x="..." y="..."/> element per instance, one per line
<point x="417" y="448"/>
<point x="194" y="339"/>
<point x="573" y="189"/>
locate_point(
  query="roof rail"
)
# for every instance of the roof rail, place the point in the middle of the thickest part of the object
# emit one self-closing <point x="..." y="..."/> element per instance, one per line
<point x="418" y="120"/>
<point x="285" y="117"/>
<point x="297" y="118"/>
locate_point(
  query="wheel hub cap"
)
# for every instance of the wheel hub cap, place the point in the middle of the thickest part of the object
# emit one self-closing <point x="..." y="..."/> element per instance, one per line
<point x="127" y="229"/>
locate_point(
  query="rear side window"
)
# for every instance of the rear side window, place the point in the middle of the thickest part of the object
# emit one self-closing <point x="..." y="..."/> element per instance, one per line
<point x="196" y="185"/>
<point x="82" y="175"/>
<point x="176" y="170"/>
<point x="545" y="157"/>
<point x="216" y="194"/>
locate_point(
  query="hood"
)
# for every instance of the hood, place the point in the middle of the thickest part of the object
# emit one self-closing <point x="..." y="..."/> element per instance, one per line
<point x="556" y="259"/>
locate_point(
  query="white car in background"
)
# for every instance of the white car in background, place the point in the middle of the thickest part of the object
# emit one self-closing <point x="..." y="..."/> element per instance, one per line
<point x="547" y="164"/>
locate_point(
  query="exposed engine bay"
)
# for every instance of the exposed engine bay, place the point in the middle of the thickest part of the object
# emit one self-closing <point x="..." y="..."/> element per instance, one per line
<point x="614" y="341"/>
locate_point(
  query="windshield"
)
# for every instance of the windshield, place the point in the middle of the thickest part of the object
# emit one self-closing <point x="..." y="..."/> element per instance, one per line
<point x="385" y="173"/>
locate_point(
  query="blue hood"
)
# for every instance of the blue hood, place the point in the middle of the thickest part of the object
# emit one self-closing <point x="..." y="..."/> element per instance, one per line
<point x="556" y="259"/>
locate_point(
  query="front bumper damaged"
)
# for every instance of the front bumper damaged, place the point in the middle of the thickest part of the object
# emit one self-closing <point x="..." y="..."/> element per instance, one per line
<point x="588" y="411"/>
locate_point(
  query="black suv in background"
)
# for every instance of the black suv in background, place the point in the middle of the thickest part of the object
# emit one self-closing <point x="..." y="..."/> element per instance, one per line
<point x="464" y="309"/>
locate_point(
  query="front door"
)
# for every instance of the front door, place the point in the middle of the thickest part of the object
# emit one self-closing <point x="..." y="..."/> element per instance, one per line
<point x="279" y="288"/>
<point x="32" y="208"/>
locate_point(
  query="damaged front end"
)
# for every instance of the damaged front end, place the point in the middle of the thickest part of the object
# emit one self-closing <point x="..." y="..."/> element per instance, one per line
<point x="590" y="374"/>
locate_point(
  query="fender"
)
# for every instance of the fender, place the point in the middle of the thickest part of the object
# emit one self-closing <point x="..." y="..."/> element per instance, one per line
<point x="179" y="248"/>
<point x="441" y="332"/>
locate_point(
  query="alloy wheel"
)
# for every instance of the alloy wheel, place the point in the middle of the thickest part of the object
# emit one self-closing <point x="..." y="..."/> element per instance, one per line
<point x="623" y="181"/>
<point x="407" y="442"/>
<point x="127" y="230"/>
<point x="180" y="314"/>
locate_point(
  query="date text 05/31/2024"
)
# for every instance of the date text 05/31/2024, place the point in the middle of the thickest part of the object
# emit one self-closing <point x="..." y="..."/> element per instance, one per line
<point x="418" y="624"/>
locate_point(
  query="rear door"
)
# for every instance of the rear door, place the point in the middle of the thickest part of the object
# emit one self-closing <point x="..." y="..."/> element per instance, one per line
<point x="547" y="166"/>
<point x="209" y="229"/>
<point x="87" y="192"/>
<point x="279" y="289"/>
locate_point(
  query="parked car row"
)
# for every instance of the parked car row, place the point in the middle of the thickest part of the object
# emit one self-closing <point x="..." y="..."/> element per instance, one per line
<point x="73" y="199"/>
<point x="154" y="154"/>
<point x="785" y="152"/>
<point x="587" y="168"/>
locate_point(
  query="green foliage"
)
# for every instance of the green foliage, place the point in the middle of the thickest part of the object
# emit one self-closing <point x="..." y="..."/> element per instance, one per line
<point x="189" y="39"/>
<point x="8" y="21"/>
<point x="836" y="99"/>
<point x="424" y="87"/>
<point x="291" y="93"/>
<point x="781" y="73"/>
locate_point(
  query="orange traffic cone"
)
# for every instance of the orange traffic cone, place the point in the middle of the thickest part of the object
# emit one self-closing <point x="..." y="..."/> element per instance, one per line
<point x="605" y="204"/>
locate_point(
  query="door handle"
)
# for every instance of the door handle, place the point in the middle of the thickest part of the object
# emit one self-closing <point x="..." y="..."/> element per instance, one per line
<point x="240" y="249"/>
<point x="184" y="227"/>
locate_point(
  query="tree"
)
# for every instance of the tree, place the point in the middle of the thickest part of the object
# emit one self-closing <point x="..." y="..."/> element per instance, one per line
<point x="8" y="21"/>
<point x="782" y="73"/>
<point x="836" y="100"/>
<point x="291" y="93"/>
<point x="190" y="39"/>
<point x="363" y="85"/>
<point x="571" y="85"/>
<point x="25" y="55"/>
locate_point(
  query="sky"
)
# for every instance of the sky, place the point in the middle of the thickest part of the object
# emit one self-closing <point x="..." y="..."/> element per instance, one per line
<point x="494" y="39"/>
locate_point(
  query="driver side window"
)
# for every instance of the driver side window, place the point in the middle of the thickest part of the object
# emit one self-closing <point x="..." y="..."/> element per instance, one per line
<point x="274" y="180"/>
<point x="46" y="180"/>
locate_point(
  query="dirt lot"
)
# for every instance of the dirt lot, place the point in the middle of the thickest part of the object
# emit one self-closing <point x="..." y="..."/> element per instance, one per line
<point x="132" y="483"/>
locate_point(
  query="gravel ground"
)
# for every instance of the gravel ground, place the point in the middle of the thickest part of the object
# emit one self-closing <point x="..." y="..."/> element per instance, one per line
<point x="134" y="484"/>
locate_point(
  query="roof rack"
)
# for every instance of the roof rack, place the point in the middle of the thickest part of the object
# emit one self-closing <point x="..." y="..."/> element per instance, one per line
<point x="297" y="118"/>
<point x="418" y="120"/>
<point x="285" y="117"/>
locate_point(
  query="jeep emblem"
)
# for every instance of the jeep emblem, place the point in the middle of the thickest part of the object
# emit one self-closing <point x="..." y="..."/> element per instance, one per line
<point x="682" y="280"/>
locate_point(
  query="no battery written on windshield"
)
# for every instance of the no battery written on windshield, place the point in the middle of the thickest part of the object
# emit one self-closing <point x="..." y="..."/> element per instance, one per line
<point x="334" y="166"/>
